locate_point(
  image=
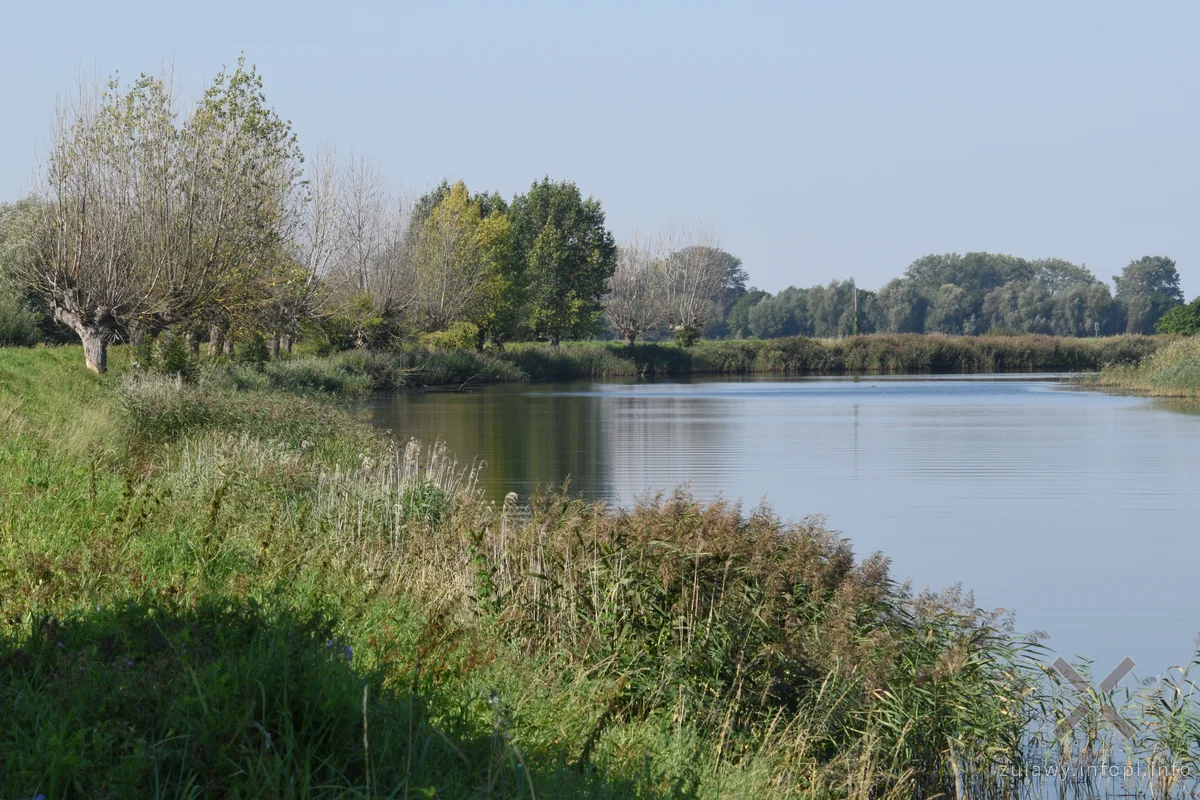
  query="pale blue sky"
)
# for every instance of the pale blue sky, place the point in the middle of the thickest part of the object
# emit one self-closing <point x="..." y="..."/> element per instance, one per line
<point x="822" y="139"/>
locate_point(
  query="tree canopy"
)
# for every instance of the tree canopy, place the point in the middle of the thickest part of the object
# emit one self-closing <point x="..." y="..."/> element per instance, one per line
<point x="567" y="256"/>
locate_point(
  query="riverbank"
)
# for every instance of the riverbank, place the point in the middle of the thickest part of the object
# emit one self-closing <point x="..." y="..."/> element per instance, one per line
<point x="1172" y="371"/>
<point x="211" y="584"/>
<point x="415" y="367"/>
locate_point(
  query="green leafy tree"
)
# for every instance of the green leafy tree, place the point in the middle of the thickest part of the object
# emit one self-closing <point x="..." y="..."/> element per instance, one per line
<point x="776" y="316"/>
<point x="1182" y="319"/>
<point x="949" y="310"/>
<point x="1018" y="306"/>
<point x="1057" y="274"/>
<point x="567" y="256"/>
<point x="147" y="223"/>
<point x="733" y="290"/>
<point x="899" y="308"/>
<point x="498" y="314"/>
<point x="1147" y="289"/>
<point x="738" y="320"/>
<point x="1079" y="307"/>
<point x="20" y="320"/>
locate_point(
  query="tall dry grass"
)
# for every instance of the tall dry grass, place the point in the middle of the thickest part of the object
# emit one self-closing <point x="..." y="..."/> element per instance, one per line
<point x="1172" y="371"/>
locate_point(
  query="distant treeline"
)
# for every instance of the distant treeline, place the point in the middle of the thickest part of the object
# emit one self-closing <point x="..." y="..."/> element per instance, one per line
<point x="973" y="294"/>
<point x="214" y="225"/>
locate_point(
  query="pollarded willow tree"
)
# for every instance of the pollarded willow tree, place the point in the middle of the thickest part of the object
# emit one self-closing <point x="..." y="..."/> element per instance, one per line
<point x="148" y="223"/>
<point x="371" y="266"/>
<point x="694" y="279"/>
<point x="452" y="264"/>
<point x="634" y="303"/>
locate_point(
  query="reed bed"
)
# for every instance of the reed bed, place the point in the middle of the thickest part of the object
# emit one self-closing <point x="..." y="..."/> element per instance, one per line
<point x="415" y="367"/>
<point x="1172" y="371"/>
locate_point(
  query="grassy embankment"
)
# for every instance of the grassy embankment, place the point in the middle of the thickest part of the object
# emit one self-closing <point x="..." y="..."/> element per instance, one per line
<point x="883" y="353"/>
<point x="1172" y="371"/>
<point x="224" y="588"/>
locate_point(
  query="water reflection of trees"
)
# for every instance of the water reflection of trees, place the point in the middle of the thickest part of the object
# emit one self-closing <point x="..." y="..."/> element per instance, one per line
<point x="529" y="438"/>
<point x="614" y="445"/>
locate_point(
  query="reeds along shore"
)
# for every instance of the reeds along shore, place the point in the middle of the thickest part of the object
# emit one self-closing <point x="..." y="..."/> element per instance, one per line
<point x="411" y="366"/>
<point x="1172" y="371"/>
<point x="210" y="586"/>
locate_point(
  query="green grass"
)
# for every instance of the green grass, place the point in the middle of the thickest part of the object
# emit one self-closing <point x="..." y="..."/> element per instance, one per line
<point x="236" y="587"/>
<point x="1173" y="371"/>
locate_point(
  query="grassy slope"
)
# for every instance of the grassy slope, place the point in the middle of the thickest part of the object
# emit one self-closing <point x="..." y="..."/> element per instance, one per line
<point x="227" y="588"/>
<point x="1173" y="371"/>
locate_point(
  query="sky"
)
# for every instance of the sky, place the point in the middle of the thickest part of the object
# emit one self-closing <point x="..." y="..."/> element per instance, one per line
<point x="821" y="140"/>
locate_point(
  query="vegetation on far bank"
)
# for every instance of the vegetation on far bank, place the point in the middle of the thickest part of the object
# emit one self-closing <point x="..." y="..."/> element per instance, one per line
<point x="360" y="372"/>
<point x="1172" y="371"/>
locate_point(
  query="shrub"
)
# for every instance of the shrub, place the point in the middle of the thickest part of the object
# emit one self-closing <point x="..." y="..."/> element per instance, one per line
<point x="18" y="325"/>
<point x="1182" y="319"/>
<point x="460" y="336"/>
<point x="686" y="336"/>
<point x="255" y="353"/>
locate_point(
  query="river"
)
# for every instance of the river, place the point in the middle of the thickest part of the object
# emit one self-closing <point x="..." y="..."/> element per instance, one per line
<point x="1077" y="510"/>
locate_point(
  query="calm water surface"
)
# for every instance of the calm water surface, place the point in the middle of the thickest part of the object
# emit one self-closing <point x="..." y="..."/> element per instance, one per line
<point x="1077" y="510"/>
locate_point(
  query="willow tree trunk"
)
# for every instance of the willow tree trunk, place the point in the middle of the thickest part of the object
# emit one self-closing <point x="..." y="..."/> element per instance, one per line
<point x="216" y="341"/>
<point x="287" y="344"/>
<point x="95" y="350"/>
<point x="273" y="346"/>
<point x="95" y="330"/>
<point x="193" y="343"/>
<point x="629" y="339"/>
<point x="228" y="344"/>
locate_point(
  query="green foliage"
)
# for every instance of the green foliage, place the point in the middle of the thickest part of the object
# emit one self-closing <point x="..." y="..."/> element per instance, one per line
<point x="1182" y="319"/>
<point x="255" y="353"/>
<point x="207" y="579"/>
<point x="567" y="256"/>
<point x="967" y="294"/>
<point x="576" y="361"/>
<point x="818" y="311"/>
<point x="686" y="336"/>
<point x="18" y="325"/>
<point x="1147" y="289"/>
<point x="459" y="336"/>
<point x="357" y="372"/>
<point x="738" y="319"/>
<point x="173" y="355"/>
<point x="774" y="317"/>
<point x="164" y="353"/>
